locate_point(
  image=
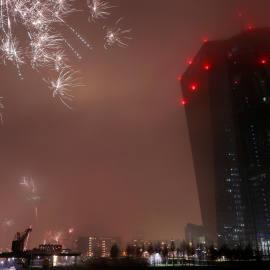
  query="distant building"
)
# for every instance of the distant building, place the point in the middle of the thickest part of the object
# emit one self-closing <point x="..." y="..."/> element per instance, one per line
<point x="226" y="94"/>
<point x="82" y="245"/>
<point x="107" y="243"/>
<point x="138" y="239"/>
<point x="162" y="243"/>
<point x="194" y="234"/>
<point x="93" y="246"/>
<point x="50" y="248"/>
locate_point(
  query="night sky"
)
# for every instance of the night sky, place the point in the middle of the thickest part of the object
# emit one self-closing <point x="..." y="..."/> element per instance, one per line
<point x="120" y="160"/>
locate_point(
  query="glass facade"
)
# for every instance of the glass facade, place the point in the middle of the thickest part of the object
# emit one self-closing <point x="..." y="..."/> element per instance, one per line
<point x="228" y="117"/>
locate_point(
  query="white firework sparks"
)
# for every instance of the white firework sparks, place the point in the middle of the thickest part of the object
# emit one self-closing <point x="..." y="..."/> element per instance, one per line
<point x="60" y="60"/>
<point x="7" y="223"/>
<point x="39" y="19"/>
<point x="98" y="9"/>
<point x="114" y="36"/>
<point x="33" y="197"/>
<point x="58" y="237"/>
<point x="43" y="45"/>
<point x="11" y="51"/>
<point x="61" y="86"/>
<point x="29" y="184"/>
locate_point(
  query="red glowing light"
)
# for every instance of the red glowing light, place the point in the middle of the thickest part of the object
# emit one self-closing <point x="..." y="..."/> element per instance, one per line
<point x="263" y="61"/>
<point x="193" y="87"/>
<point x="206" y="67"/>
<point x="190" y="62"/>
<point x="240" y="14"/>
<point x="250" y="27"/>
<point x="183" y="102"/>
<point x="205" y="40"/>
<point x="235" y="82"/>
<point x="179" y="78"/>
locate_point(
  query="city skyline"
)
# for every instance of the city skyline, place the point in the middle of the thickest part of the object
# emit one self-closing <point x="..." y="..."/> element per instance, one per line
<point x="120" y="160"/>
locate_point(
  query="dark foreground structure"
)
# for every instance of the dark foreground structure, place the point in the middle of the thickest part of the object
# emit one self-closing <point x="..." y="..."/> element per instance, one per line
<point x="135" y="265"/>
<point x="46" y="255"/>
<point x="226" y="94"/>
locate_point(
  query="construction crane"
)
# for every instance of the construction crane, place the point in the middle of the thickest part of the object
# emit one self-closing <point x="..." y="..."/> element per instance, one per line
<point x="18" y="243"/>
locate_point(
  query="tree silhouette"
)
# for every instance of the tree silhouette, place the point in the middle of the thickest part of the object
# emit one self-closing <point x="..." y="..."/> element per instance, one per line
<point x="138" y="252"/>
<point x="172" y="249"/>
<point x="114" y="251"/>
<point x="165" y="253"/>
<point x="192" y="252"/>
<point x="178" y="254"/>
<point x="150" y="249"/>
<point x="212" y="253"/>
<point x="188" y="251"/>
<point x="158" y="247"/>
<point x="129" y="250"/>
<point x="258" y="254"/>
<point x="183" y="248"/>
<point x="238" y="253"/>
<point x="226" y="252"/>
<point x="248" y="252"/>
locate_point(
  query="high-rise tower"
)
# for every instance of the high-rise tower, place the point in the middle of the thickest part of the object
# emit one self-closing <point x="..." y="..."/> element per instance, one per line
<point x="226" y="94"/>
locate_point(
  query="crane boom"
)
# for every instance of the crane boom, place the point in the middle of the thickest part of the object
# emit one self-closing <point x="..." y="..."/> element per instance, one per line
<point x="19" y="240"/>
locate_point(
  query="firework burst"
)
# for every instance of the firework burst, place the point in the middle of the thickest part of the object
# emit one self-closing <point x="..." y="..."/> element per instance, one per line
<point x="61" y="86"/>
<point x="43" y="45"/>
<point x="98" y="9"/>
<point x="115" y="36"/>
<point x="29" y="184"/>
<point x="7" y="223"/>
<point x="11" y="51"/>
<point x="34" y="198"/>
<point x="58" y="237"/>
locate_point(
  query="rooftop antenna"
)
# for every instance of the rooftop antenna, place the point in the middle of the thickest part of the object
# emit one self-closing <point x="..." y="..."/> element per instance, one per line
<point x="240" y="16"/>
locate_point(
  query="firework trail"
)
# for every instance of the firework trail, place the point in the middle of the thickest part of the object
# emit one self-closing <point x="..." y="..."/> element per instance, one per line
<point x="114" y="36"/>
<point x="7" y="223"/>
<point x="1" y="116"/>
<point x="30" y="185"/>
<point x="44" y="46"/>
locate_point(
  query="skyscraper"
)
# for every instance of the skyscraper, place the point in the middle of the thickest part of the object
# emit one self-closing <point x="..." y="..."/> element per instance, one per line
<point x="226" y="94"/>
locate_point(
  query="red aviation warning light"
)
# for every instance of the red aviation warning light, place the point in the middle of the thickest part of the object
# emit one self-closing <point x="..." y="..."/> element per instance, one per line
<point x="190" y="62"/>
<point x="193" y="87"/>
<point x="205" y="40"/>
<point x="183" y="102"/>
<point x="206" y="67"/>
<point x="263" y="61"/>
<point x="179" y="78"/>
